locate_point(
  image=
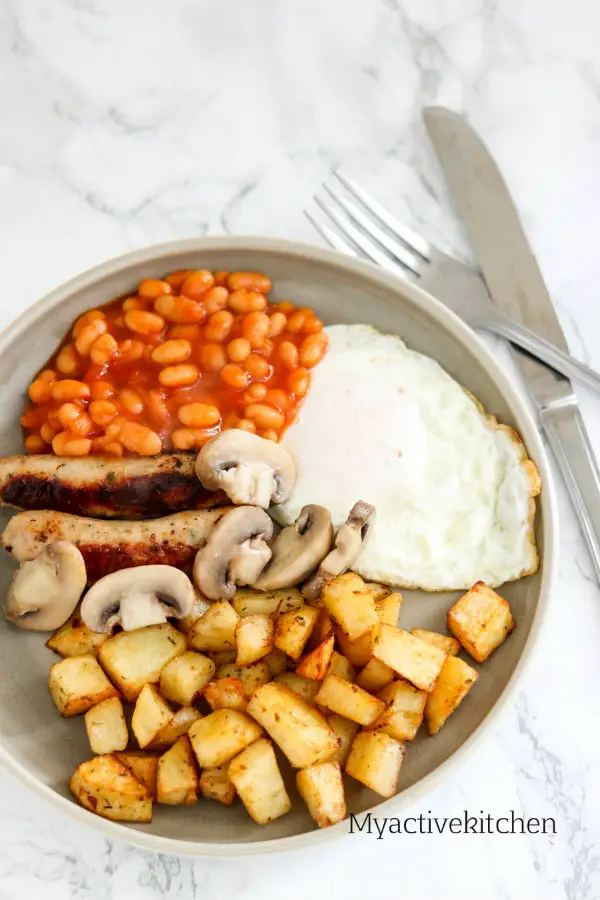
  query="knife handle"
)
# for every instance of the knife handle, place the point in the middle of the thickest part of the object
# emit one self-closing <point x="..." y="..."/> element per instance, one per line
<point x="568" y="437"/>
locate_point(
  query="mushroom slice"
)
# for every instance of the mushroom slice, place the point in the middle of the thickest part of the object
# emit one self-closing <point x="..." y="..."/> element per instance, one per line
<point x="44" y="591"/>
<point x="349" y="542"/>
<point x="134" y="598"/>
<point x="298" y="549"/>
<point x="250" y="469"/>
<point x="236" y="552"/>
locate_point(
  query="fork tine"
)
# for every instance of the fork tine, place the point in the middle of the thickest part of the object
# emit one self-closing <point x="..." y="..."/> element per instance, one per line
<point x="410" y="238"/>
<point x="331" y="236"/>
<point x="358" y="238"/>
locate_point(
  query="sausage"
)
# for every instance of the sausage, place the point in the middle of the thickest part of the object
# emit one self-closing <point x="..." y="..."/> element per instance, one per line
<point x="118" y="544"/>
<point x="136" y="487"/>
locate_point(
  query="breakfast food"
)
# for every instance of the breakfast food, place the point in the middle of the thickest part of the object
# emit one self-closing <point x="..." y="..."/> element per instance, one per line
<point x="44" y="591"/>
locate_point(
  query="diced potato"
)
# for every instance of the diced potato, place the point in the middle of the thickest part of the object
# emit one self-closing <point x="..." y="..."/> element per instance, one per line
<point x="250" y="676"/>
<point x="375" y="760"/>
<point x="143" y="765"/>
<point x="77" y="683"/>
<point x="248" y="602"/>
<point x="378" y="591"/>
<point x="374" y="676"/>
<point x="455" y="681"/>
<point x="215" y="630"/>
<point x="226" y="693"/>
<point x="254" y="637"/>
<point x="180" y="724"/>
<point x="215" y="784"/>
<point x="341" y="667"/>
<point x="481" y="620"/>
<point x="257" y="779"/>
<point x="185" y="677"/>
<point x="350" y="604"/>
<point x="411" y="658"/>
<point x="403" y="713"/>
<point x="177" y="778"/>
<point x="293" y="629"/>
<point x="358" y="652"/>
<point x="296" y="727"/>
<point x="75" y="639"/>
<point x="345" y="731"/>
<point x="222" y="658"/>
<point x="107" y="787"/>
<point x="316" y="664"/>
<point x="305" y="687"/>
<point x="322" y="789"/>
<point x="448" y="644"/>
<point x="106" y="727"/>
<point x="277" y="661"/>
<point x="198" y="610"/>
<point x="132" y="659"/>
<point x="151" y="714"/>
<point x="347" y="699"/>
<point x="323" y="628"/>
<point x="221" y="735"/>
<point x="388" y="608"/>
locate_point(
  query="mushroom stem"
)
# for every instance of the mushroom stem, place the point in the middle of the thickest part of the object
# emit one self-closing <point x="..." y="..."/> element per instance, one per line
<point x="349" y="543"/>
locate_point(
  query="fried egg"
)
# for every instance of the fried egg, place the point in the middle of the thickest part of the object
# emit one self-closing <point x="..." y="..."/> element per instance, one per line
<point x="453" y="489"/>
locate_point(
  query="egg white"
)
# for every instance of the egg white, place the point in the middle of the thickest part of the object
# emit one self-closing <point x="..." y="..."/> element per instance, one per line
<point x="452" y="489"/>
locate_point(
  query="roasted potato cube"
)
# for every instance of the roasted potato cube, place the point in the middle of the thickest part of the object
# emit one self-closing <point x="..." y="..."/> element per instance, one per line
<point x="388" y="608"/>
<point x="221" y="735"/>
<point x="403" y="713"/>
<point x="442" y="641"/>
<point x="411" y="658"/>
<point x="215" y="784"/>
<point x="226" y="693"/>
<point x="455" y="681"/>
<point x="106" y="727"/>
<point x="143" y="765"/>
<point x="345" y="731"/>
<point x="77" y="683"/>
<point x="215" y="630"/>
<point x="75" y="639"/>
<point x="349" y="700"/>
<point x="248" y="602"/>
<point x="254" y="637"/>
<point x="316" y="664"/>
<point x="296" y="727"/>
<point x="358" y="652"/>
<point x="223" y="657"/>
<point x="277" y="661"/>
<point x="481" y="620"/>
<point x="293" y="629"/>
<point x="107" y="787"/>
<point x="305" y="687"/>
<point x="177" y="777"/>
<point x="375" y="760"/>
<point x="324" y="626"/>
<point x="322" y="789"/>
<point x="257" y="779"/>
<point x="374" y="676"/>
<point x="150" y="716"/>
<point x="378" y="591"/>
<point x="180" y="724"/>
<point x="185" y="677"/>
<point x="198" y="610"/>
<point x="350" y="604"/>
<point x="341" y="667"/>
<point x="132" y="659"/>
<point x="250" y="676"/>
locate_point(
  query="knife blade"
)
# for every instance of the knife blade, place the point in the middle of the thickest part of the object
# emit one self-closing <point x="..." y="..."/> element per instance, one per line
<point x="516" y="285"/>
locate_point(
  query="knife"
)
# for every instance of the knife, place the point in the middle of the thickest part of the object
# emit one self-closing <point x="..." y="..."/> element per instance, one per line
<point x="516" y="285"/>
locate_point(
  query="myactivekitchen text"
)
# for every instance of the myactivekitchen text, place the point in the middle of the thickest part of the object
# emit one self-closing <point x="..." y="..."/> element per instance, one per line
<point x="462" y="824"/>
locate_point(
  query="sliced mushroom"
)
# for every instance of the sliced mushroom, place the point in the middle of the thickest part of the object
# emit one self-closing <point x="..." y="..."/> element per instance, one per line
<point x="250" y="469"/>
<point x="44" y="591"/>
<point x="134" y="598"/>
<point x="298" y="549"/>
<point x="236" y="552"/>
<point x="349" y="543"/>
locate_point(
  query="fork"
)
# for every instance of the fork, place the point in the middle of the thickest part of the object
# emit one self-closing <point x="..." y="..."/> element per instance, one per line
<point x="363" y="228"/>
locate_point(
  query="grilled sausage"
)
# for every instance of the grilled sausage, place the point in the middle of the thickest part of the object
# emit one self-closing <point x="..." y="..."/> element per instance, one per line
<point x="110" y="546"/>
<point x="138" y="487"/>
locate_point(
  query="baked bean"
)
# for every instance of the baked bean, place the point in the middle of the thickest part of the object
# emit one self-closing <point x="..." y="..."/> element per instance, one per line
<point x="191" y="438"/>
<point x="152" y="288"/>
<point x="218" y="325"/>
<point x="102" y="390"/>
<point x="255" y="393"/>
<point x="246" y="425"/>
<point x="312" y="349"/>
<point x="68" y="413"/>
<point x="221" y="276"/>
<point x="113" y="431"/>
<point x="170" y="352"/>
<point x="299" y="382"/>
<point x="264" y="416"/>
<point x="278" y="398"/>
<point x="68" y="389"/>
<point x="181" y="310"/>
<point x="139" y="439"/>
<point x="34" y="443"/>
<point x="82" y="425"/>
<point x="238" y="350"/>
<point x="143" y="322"/>
<point x="297" y="319"/>
<point x="199" y="415"/>
<point x="176" y="279"/>
<point x="31" y="417"/>
<point x="257" y="367"/>
<point x="186" y="332"/>
<point x="158" y="408"/>
<point x="212" y="357"/>
<point x="67" y="361"/>
<point x="249" y="281"/>
<point x="288" y="354"/>
<point x="131" y="351"/>
<point x="103" y="349"/>
<point x="312" y="325"/>
<point x="107" y="447"/>
<point x="53" y="419"/>
<point x="246" y="301"/>
<point x="47" y="432"/>
<point x="215" y="299"/>
<point x="120" y="321"/>
<point x="277" y="324"/>
<point x="255" y="327"/>
<point x="40" y="390"/>
<point x="64" y="444"/>
<point x="132" y="401"/>
<point x="234" y="376"/>
<point x="196" y="284"/>
<point x="102" y="412"/>
<point x="178" y="376"/>
<point x="84" y="320"/>
<point x="269" y="434"/>
<point x="88" y="335"/>
<point x="48" y="375"/>
<point x="134" y="303"/>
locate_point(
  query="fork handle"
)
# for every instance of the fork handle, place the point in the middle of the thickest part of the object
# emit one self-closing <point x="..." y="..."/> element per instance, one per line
<point x="548" y="352"/>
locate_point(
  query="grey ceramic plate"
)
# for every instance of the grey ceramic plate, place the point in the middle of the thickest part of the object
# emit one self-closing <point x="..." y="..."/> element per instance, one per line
<point x="43" y="750"/>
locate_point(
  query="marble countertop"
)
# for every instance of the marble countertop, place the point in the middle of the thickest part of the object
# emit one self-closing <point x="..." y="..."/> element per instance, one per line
<point x="125" y="123"/>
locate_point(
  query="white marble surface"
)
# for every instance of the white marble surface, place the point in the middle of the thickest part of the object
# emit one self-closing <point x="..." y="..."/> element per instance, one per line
<point x="127" y="122"/>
